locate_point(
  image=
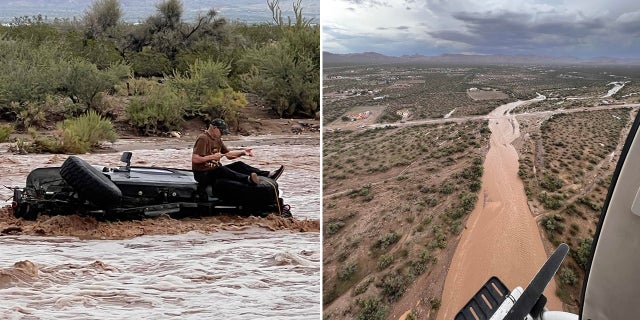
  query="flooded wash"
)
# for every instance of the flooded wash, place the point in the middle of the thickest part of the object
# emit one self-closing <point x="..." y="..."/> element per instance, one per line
<point x="186" y="269"/>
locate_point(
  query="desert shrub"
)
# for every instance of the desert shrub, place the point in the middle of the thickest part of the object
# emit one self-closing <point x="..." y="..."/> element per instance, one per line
<point x="435" y="303"/>
<point x="393" y="286"/>
<point x="553" y="224"/>
<point x="387" y="240"/>
<point x="419" y="266"/>
<point x="468" y="201"/>
<point x="371" y="309"/>
<point x="583" y="253"/>
<point x="207" y="89"/>
<point x="287" y="72"/>
<point x="102" y="16"/>
<point x="77" y="135"/>
<point x="30" y="71"/>
<point x="347" y="272"/>
<point x="550" y="202"/>
<point x="5" y="132"/>
<point x="332" y="227"/>
<point x="473" y="173"/>
<point x="160" y="111"/>
<point x="101" y="52"/>
<point x="362" y="287"/>
<point x="81" y="134"/>
<point x="447" y="188"/>
<point x="567" y="276"/>
<point x="551" y="183"/>
<point x="385" y="261"/>
<point x="82" y="80"/>
<point x="149" y="63"/>
<point x="137" y="87"/>
<point x="586" y="201"/>
<point x="30" y="115"/>
<point x="475" y="186"/>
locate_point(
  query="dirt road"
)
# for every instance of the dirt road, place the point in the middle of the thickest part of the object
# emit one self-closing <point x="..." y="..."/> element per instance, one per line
<point x="501" y="237"/>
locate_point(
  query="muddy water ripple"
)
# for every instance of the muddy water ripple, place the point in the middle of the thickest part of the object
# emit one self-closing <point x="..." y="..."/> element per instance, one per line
<point x="233" y="275"/>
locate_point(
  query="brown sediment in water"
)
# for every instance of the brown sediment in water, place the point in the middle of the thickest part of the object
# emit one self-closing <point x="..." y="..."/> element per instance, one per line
<point x="90" y="228"/>
<point x="22" y="271"/>
<point x="501" y="237"/>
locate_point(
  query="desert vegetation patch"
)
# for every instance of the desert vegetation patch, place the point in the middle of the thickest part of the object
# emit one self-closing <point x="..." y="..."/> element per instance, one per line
<point x="395" y="201"/>
<point x="567" y="166"/>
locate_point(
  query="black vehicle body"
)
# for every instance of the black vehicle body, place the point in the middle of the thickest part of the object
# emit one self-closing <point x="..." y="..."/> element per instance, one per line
<point x="128" y="192"/>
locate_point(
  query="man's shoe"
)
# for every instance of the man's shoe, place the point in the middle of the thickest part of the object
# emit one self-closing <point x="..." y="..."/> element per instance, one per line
<point x="253" y="178"/>
<point x="276" y="173"/>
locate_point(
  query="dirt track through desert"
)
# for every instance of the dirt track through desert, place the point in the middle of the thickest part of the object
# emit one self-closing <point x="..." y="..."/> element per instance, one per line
<point x="501" y="237"/>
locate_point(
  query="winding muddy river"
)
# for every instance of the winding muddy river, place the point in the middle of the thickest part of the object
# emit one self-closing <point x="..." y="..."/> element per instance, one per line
<point x="243" y="273"/>
<point x="501" y="237"/>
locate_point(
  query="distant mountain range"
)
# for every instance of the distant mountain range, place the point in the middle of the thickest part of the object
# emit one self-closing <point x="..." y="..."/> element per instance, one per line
<point x="377" y="58"/>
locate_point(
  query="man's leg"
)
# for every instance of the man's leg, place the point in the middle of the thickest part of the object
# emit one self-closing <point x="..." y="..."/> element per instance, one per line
<point x="227" y="173"/>
<point x="242" y="167"/>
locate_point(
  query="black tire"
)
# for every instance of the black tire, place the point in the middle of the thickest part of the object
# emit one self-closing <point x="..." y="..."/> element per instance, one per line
<point x="26" y="211"/>
<point x="90" y="183"/>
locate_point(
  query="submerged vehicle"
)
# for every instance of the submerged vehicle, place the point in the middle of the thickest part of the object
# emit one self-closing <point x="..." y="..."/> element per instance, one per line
<point x="612" y="280"/>
<point x="132" y="192"/>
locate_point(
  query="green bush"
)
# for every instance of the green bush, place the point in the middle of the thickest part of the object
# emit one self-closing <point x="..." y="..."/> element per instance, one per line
<point x="332" y="227"/>
<point x="567" y="276"/>
<point x="393" y="286"/>
<point x="30" y="71"/>
<point x="347" y="272"/>
<point x="160" y="111"/>
<point x="550" y="202"/>
<point x="372" y="309"/>
<point x="385" y="261"/>
<point x="551" y="183"/>
<point x="5" y="132"/>
<point x="583" y="254"/>
<point x="83" y="81"/>
<point x="287" y="72"/>
<point x="207" y="89"/>
<point x="387" y="240"/>
<point x="149" y="64"/>
<point x="435" y="303"/>
<point x="81" y="134"/>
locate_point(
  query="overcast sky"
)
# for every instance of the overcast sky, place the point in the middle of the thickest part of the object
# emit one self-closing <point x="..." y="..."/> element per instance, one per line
<point x="580" y="28"/>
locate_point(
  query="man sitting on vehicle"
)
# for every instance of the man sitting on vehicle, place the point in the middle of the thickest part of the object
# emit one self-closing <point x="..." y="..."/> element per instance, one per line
<point x="209" y="149"/>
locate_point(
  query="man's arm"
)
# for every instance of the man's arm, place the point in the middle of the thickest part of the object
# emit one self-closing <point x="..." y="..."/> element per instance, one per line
<point x="238" y="153"/>
<point x="196" y="158"/>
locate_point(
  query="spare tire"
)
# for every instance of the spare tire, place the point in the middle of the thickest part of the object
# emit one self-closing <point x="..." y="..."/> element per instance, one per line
<point x="90" y="183"/>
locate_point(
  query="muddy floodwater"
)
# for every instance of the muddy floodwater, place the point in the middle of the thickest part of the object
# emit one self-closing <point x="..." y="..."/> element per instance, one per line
<point x="212" y="268"/>
<point x="501" y="237"/>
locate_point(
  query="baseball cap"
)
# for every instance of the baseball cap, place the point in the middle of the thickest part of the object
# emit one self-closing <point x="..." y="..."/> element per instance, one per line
<point x="220" y="124"/>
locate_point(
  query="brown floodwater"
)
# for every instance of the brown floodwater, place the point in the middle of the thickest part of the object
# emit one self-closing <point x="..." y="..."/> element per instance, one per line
<point x="210" y="268"/>
<point x="501" y="237"/>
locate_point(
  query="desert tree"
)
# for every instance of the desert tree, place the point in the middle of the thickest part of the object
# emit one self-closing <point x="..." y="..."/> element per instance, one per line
<point x="101" y="17"/>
